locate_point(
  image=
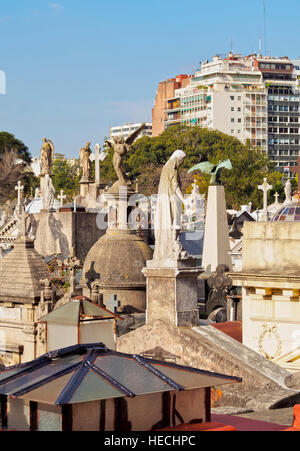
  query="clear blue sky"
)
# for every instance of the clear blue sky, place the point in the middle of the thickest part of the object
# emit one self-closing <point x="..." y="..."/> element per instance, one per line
<point x="75" y="67"/>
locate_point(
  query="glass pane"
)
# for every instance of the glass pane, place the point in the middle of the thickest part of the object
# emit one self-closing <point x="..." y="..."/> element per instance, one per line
<point x="48" y="393"/>
<point x="190" y="379"/>
<point x="131" y="374"/>
<point x="68" y="313"/>
<point x="8" y="373"/>
<point x="93" y="388"/>
<point x="39" y="374"/>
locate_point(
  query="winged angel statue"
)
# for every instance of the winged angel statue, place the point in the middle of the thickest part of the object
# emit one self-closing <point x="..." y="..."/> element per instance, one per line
<point x="213" y="170"/>
<point x="121" y="145"/>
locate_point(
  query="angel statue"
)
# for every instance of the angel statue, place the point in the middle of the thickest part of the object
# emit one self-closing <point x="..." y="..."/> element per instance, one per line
<point x="214" y="170"/>
<point x="121" y="146"/>
<point x="47" y="153"/>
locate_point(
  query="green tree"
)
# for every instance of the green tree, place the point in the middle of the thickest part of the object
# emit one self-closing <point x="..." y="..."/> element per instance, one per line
<point x="15" y="159"/>
<point x="250" y="166"/>
<point x="66" y="177"/>
<point x="9" y="142"/>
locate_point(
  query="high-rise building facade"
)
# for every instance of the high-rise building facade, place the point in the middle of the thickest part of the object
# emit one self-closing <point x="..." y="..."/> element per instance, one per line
<point x="281" y="81"/>
<point x="253" y="98"/>
<point x="227" y="95"/>
<point x="165" y="91"/>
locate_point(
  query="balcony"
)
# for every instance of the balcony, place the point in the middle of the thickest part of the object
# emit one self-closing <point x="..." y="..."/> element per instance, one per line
<point x="173" y="110"/>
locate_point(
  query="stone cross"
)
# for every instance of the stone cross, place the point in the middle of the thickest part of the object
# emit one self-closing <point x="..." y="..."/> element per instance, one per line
<point x="276" y="195"/>
<point x="61" y="197"/>
<point x="296" y="170"/>
<point x="112" y="304"/>
<point x="19" y="188"/>
<point x="265" y="187"/>
<point x="72" y="264"/>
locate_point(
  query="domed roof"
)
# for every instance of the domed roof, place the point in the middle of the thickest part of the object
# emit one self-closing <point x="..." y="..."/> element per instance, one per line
<point x="288" y="213"/>
<point x="117" y="260"/>
<point x="36" y="205"/>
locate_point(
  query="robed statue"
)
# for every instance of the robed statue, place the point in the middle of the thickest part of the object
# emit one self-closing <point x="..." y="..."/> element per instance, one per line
<point x="48" y="193"/>
<point x="85" y="162"/>
<point x="46" y="157"/>
<point x="214" y="170"/>
<point x="121" y="146"/>
<point x="168" y="209"/>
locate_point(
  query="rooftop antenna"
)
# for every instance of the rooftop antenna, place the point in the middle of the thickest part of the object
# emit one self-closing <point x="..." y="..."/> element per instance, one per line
<point x="259" y="42"/>
<point x="265" y="26"/>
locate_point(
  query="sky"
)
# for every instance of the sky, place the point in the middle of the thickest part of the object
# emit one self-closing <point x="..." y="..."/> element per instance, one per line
<point x="74" y="68"/>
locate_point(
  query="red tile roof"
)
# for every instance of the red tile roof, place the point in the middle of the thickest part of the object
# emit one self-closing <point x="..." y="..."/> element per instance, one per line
<point x="231" y="328"/>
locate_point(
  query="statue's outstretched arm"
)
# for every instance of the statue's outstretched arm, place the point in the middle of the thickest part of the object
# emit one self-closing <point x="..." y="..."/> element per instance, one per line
<point x="109" y="144"/>
<point x="131" y="138"/>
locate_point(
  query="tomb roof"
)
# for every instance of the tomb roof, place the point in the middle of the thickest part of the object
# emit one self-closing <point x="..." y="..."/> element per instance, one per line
<point x="77" y="310"/>
<point x="20" y="273"/>
<point x="92" y="372"/>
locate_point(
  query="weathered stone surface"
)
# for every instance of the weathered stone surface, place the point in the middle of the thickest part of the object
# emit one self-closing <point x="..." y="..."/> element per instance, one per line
<point x="204" y="347"/>
<point x="277" y="244"/>
<point x="58" y="233"/>
<point x="117" y="260"/>
<point x="270" y="281"/>
<point x="172" y="295"/>
<point x="20" y="273"/>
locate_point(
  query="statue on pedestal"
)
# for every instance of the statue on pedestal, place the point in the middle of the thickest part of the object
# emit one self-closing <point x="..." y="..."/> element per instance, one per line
<point x="46" y="156"/>
<point x="85" y="162"/>
<point x="121" y="146"/>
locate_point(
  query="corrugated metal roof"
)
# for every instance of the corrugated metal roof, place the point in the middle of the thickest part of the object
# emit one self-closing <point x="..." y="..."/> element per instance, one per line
<point x="91" y="372"/>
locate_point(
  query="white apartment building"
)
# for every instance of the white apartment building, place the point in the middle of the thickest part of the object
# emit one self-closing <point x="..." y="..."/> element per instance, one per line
<point x="127" y="129"/>
<point x="253" y="98"/>
<point x="226" y="95"/>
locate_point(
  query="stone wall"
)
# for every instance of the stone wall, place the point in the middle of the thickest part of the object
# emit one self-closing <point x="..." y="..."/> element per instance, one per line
<point x="271" y="246"/>
<point x="57" y="233"/>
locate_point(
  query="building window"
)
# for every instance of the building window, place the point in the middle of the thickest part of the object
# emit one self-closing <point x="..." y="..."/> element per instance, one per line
<point x="232" y="119"/>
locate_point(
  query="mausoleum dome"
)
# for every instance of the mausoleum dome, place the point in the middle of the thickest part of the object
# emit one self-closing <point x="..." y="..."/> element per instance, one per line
<point x="116" y="261"/>
<point x="288" y="213"/>
<point x="36" y="205"/>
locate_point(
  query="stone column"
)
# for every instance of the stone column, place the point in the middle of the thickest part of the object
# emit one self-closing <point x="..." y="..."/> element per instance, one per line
<point x="122" y="208"/>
